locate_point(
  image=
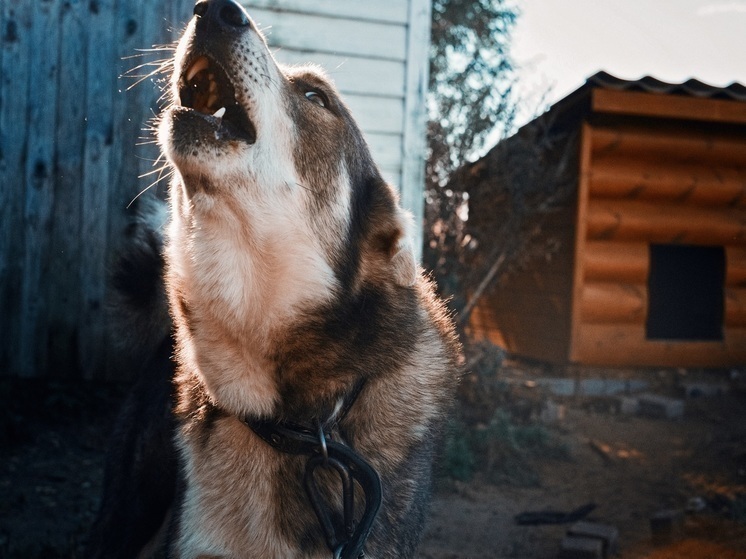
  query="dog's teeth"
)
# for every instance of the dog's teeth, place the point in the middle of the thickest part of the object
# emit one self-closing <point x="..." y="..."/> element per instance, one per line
<point x="219" y="113"/>
<point x="200" y="64"/>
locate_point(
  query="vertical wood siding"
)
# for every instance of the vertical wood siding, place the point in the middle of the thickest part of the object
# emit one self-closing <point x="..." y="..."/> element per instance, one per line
<point x="69" y="165"/>
<point x="377" y="54"/>
<point x="71" y="149"/>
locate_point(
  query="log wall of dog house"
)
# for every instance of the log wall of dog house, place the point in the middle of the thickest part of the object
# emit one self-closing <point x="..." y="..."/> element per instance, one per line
<point x="667" y="195"/>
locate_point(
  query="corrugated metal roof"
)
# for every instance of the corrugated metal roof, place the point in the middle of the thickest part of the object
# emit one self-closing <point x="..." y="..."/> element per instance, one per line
<point x="649" y="84"/>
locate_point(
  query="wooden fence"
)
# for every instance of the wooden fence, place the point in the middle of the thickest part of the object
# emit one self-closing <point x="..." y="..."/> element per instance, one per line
<point x="69" y="166"/>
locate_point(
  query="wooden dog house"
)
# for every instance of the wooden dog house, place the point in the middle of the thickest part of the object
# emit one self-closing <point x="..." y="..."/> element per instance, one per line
<point x="651" y="265"/>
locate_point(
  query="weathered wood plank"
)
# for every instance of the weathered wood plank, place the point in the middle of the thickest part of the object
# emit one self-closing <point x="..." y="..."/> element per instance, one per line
<point x="517" y="333"/>
<point x="383" y="115"/>
<point x="415" y="115"/>
<point x="353" y="74"/>
<point x="675" y="143"/>
<point x="614" y="303"/>
<point x="342" y="37"/>
<point x="64" y="293"/>
<point x="152" y="31"/>
<point x="39" y="176"/>
<point x="665" y="180"/>
<point x="587" y="141"/>
<point x="735" y="307"/>
<point x="735" y="273"/>
<point x="14" y="82"/>
<point x="627" y="220"/>
<point x="100" y="84"/>
<point x="668" y="106"/>
<point x="614" y="261"/>
<point x="386" y="150"/>
<point x="390" y="11"/>
<point x="625" y="345"/>
<point x="177" y="18"/>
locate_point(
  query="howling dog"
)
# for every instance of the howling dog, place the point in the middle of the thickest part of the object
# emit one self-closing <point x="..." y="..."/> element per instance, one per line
<point x="294" y="409"/>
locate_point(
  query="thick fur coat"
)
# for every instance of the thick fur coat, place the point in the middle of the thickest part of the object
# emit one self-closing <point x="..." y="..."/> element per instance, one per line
<point x="291" y="281"/>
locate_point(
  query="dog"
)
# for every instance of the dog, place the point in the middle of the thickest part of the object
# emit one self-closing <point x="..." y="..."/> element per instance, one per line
<point x="310" y="369"/>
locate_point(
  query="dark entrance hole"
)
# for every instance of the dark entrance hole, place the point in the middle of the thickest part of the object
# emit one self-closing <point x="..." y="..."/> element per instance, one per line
<point x="685" y="292"/>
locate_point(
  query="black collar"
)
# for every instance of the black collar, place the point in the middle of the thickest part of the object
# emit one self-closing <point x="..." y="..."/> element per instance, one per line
<point x="345" y="541"/>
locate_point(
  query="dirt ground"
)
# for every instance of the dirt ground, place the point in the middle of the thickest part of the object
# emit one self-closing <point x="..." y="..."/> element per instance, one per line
<point x="53" y="436"/>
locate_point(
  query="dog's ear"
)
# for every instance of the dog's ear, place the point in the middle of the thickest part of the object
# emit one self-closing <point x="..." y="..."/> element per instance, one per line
<point x="403" y="262"/>
<point x="388" y="255"/>
<point x="399" y="248"/>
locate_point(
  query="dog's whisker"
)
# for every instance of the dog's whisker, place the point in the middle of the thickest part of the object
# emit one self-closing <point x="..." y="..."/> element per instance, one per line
<point x="160" y="67"/>
<point x="153" y="172"/>
<point x="160" y="63"/>
<point x="143" y="78"/>
<point x="151" y="185"/>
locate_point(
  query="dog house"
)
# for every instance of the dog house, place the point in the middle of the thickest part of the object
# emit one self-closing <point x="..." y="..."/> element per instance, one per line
<point x="650" y="268"/>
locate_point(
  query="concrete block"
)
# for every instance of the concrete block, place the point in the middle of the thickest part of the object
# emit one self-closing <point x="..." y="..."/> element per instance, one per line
<point x="610" y="387"/>
<point x="629" y="405"/>
<point x="552" y="413"/>
<point x="696" y="389"/>
<point x="580" y="548"/>
<point x="608" y="535"/>
<point x="593" y="387"/>
<point x="558" y="386"/>
<point x="654" y="405"/>
<point x="637" y="385"/>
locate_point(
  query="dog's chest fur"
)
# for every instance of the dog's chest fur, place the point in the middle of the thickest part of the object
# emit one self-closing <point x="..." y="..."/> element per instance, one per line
<point x="230" y="504"/>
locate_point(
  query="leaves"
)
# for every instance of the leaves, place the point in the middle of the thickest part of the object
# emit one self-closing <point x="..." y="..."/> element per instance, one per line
<point x="471" y="77"/>
<point x="470" y="102"/>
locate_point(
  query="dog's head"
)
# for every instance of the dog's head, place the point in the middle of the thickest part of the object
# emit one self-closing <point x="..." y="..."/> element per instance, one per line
<point x="273" y="152"/>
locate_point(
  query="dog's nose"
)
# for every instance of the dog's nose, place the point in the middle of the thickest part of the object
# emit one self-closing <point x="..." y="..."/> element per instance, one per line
<point x="226" y="13"/>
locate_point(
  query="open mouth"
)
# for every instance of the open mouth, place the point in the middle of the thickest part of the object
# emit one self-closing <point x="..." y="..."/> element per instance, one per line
<point x="206" y="89"/>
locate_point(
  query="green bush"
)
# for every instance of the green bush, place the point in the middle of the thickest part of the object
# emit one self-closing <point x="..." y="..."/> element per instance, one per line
<point x="500" y="450"/>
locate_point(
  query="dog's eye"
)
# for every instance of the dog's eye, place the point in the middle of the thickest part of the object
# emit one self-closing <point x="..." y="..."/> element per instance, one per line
<point x="316" y="97"/>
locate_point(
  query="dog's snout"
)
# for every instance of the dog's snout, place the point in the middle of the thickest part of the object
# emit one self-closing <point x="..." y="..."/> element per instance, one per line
<point x="226" y="13"/>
